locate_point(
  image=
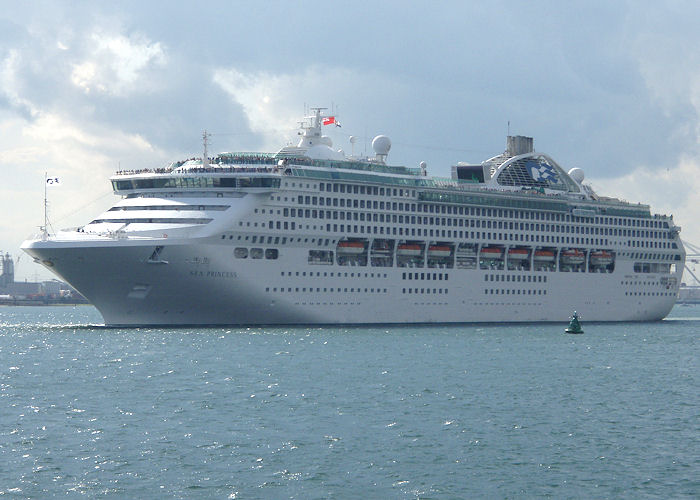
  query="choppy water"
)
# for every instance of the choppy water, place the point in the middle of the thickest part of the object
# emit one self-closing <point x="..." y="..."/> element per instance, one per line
<point x="431" y="412"/>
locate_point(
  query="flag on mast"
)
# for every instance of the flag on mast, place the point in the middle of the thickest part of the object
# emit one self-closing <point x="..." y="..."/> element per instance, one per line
<point x="53" y="181"/>
<point x="329" y="120"/>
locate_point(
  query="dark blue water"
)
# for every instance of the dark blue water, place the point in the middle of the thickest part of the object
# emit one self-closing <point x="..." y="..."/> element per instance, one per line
<point x="431" y="412"/>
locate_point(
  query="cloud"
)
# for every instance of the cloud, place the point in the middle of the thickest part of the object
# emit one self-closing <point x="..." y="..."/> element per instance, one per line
<point x="272" y="102"/>
<point x="116" y="64"/>
<point x="10" y="85"/>
<point x="51" y="129"/>
<point x="266" y="98"/>
<point x="52" y="141"/>
<point x="672" y="191"/>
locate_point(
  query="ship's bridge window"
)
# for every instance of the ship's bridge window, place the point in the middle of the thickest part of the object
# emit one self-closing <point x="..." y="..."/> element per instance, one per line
<point x="154" y="220"/>
<point x="246" y="182"/>
<point x="194" y="182"/>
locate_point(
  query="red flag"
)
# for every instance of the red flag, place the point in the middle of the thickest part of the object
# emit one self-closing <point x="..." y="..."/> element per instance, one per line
<point x="329" y="120"/>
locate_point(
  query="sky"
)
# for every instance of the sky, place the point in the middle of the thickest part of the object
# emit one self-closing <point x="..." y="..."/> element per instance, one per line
<point x="87" y="88"/>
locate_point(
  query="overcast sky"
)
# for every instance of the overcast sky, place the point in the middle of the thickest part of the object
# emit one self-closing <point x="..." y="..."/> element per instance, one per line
<point x="87" y="87"/>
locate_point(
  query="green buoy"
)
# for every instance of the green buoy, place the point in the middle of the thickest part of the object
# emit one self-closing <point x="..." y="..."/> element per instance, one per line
<point x="574" y="325"/>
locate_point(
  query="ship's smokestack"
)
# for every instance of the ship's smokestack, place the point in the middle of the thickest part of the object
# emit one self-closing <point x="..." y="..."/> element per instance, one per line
<point x="519" y="145"/>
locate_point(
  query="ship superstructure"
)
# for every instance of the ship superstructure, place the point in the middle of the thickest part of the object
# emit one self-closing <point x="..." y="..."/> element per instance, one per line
<point x="309" y="236"/>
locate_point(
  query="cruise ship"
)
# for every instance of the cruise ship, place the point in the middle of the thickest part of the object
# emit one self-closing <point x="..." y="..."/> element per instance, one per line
<point x="308" y="236"/>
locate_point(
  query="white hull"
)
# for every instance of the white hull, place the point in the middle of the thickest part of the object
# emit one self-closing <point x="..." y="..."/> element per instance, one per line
<point x="215" y="289"/>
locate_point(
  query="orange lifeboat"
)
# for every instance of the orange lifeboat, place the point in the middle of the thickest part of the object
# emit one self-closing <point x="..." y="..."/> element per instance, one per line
<point x="518" y="253"/>
<point x="351" y="247"/>
<point x="491" y="253"/>
<point x="439" y="251"/>
<point x="544" y="255"/>
<point x="408" y="249"/>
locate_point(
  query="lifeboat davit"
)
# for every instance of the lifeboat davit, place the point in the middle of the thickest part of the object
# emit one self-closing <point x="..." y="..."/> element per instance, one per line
<point x="466" y="249"/>
<point x="601" y="258"/>
<point x="573" y="256"/>
<point x="381" y="246"/>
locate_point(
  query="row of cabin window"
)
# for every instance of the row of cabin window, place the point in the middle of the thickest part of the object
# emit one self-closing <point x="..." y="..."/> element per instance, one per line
<point x="465" y="234"/>
<point x="516" y="277"/>
<point x="329" y="290"/>
<point x="461" y="210"/>
<point x="448" y="221"/>
<point x="653" y="256"/>
<point x="277" y="240"/>
<point x="652" y="244"/>
<point x="507" y="291"/>
<point x="256" y="253"/>
<point x="361" y="189"/>
<point x="425" y="276"/>
<point x="642" y="283"/>
<point x="332" y="274"/>
<point x="437" y="233"/>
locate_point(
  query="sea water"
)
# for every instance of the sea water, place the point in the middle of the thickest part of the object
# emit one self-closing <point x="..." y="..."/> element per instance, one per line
<point x="468" y="411"/>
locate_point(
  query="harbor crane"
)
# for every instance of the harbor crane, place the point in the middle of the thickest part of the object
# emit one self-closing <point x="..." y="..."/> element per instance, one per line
<point x="692" y="256"/>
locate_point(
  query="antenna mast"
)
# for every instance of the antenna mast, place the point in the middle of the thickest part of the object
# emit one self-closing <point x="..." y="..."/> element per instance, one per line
<point x="44" y="232"/>
<point x="205" y="157"/>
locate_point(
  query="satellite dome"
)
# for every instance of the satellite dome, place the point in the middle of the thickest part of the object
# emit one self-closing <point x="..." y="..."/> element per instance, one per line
<point x="381" y="145"/>
<point x="577" y="175"/>
<point x="353" y="139"/>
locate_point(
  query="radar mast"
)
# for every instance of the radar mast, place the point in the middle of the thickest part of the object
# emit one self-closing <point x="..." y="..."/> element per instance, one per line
<point x="205" y="143"/>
